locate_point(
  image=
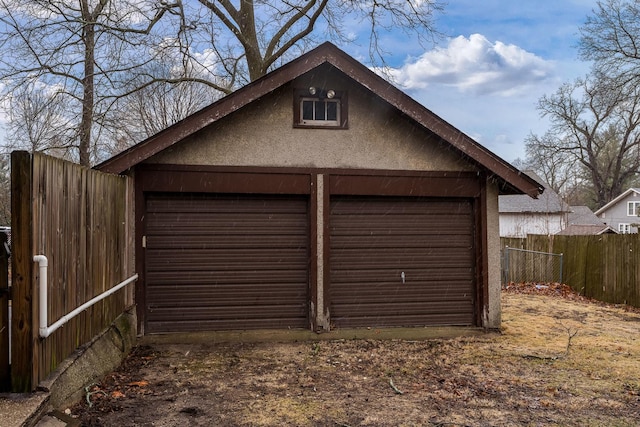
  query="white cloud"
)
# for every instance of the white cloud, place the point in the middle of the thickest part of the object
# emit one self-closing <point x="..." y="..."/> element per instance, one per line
<point x="477" y="66"/>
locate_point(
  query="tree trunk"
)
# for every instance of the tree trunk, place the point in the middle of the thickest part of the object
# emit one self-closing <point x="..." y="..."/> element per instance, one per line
<point x="86" y="119"/>
<point x="247" y="25"/>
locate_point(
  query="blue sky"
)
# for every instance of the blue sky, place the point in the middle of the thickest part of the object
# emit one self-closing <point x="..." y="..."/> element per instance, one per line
<point x="499" y="58"/>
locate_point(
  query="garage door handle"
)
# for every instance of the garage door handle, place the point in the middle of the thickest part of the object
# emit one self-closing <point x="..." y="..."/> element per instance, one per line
<point x="402" y="276"/>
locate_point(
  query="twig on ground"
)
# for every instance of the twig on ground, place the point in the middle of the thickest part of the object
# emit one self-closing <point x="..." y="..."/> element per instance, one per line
<point x="571" y="333"/>
<point x="91" y="393"/>
<point x="395" y="389"/>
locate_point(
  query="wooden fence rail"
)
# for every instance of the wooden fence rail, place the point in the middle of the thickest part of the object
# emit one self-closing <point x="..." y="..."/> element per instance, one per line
<point x="606" y="267"/>
<point x="79" y="218"/>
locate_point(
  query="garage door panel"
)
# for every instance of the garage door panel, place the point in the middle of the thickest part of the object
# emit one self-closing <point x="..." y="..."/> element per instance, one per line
<point x="266" y="313"/>
<point x="363" y="286"/>
<point x="384" y="228"/>
<point x="227" y="259"/>
<point x="364" y="240"/>
<point x="411" y="259"/>
<point x="204" y="203"/>
<point x="186" y="226"/>
<point x="413" y="309"/>
<point x="250" y="279"/>
<point x="385" y="300"/>
<point x="394" y="279"/>
<point x="381" y="205"/>
<point x="219" y="318"/>
<point x="436" y="314"/>
<point x="180" y="325"/>
<point x="375" y="240"/>
<point x="226" y="262"/>
<point x="195" y="224"/>
<point x="198" y="297"/>
<point x="390" y="292"/>
<point x="239" y="241"/>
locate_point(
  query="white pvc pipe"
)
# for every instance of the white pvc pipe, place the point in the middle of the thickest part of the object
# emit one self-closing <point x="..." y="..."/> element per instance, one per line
<point x="45" y="330"/>
<point x="43" y="263"/>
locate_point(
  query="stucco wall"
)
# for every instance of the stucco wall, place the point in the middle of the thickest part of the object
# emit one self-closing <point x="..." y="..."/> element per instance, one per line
<point x="262" y="134"/>
<point x="493" y="317"/>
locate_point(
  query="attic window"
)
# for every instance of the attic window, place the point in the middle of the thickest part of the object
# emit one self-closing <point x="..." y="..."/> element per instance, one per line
<point x="320" y="108"/>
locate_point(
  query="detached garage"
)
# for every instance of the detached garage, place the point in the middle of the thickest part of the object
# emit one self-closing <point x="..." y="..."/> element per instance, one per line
<point x="317" y="197"/>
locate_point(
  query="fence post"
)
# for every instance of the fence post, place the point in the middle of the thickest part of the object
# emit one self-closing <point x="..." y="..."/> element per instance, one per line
<point x="23" y="298"/>
<point x="505" y="274"/>
<point x="5" y="378"/>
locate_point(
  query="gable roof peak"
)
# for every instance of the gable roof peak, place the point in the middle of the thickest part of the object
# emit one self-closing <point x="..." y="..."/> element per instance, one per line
<point x="617" y="199"/>
<point x="509" y="178"/>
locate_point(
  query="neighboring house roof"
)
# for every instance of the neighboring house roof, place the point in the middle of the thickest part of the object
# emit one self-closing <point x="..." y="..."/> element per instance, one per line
<point x="548" y="202"/>
<point x="582" y="221"/>
<point x="617" y="199"/>
<point x="586" y="229"/>
<point x="582" y="215"/>
<point x="510" y="180"/>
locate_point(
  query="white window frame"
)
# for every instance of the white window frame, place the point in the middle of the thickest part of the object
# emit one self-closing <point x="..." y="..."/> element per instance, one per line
<point x="624" y="228"/>
<point x="320" y="121"/>
<point x="633" y="208"/>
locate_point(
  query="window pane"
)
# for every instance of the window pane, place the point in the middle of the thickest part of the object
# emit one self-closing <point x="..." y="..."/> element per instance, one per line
<point x="630" y="208"/>
<point x="307" y="110"/>
<point x="332" y="111"/>
<point x="320" y="110"/>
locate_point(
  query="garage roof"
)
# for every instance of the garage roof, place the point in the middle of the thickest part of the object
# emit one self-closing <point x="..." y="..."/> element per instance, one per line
<point x="509" y="178"/>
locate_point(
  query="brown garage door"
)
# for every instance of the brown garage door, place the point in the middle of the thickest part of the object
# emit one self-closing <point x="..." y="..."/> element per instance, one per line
<point x="220" y="262"/>
<point x="401" y="262"/>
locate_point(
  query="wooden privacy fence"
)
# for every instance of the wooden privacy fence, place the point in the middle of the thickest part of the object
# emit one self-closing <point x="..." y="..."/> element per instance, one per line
<point x="79" y="219"/>
<point x="605" y="267"/>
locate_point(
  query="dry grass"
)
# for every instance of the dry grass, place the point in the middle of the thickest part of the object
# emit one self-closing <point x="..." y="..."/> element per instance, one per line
<point x="556" y="362"/>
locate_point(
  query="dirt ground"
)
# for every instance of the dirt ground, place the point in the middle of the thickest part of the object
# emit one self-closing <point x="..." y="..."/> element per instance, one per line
<point x="558" y="361"/>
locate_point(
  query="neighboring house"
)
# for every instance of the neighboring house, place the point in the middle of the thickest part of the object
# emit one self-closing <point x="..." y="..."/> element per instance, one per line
<point x="521" y="215"/>
<point x="622" y="213"/>
<point x="582" y="221"/>
<point x="317" y="197"/>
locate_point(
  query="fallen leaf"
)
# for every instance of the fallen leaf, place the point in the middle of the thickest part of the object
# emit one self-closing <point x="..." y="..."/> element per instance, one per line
<point x="139" y="383"/>
<point x="117" y="394"/>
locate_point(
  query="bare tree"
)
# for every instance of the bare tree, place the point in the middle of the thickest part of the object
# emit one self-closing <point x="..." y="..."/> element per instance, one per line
<point x="594" y="132"/>
<point x="84" y="48"/>
<point x="252" y="37"/>
<point x="611" y="38"/>
<point x="592" y="147"/>
<point x="37" y="121"/>
<point x="153" y="107"/>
